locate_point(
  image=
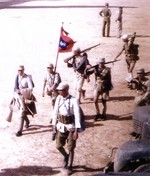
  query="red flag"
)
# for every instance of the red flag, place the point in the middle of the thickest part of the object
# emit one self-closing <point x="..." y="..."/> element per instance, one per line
<point x="65" y="43"/>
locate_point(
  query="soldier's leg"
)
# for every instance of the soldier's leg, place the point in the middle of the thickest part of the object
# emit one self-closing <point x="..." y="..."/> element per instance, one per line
<point x="60" y="142"/>
<point x="104" y="109"/>
<point x="80" y="91"/>
<point x="71" y="144"/>
<point x="27" y="121"/>
<point x="19" y="133"/>
<point x="96" y="105"/>
<point x="103" y="28"/>
<point x="108" y="28"/>
<point x="131" y="66"/>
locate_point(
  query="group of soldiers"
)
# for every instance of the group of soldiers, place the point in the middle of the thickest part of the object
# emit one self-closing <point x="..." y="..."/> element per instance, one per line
<point x="66" y="118"/>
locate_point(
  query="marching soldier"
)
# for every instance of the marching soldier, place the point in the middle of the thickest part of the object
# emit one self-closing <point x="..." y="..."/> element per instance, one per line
<point x="79" y="63"/>
<point x="24" y="97"/>
<point x="131" y="54"/>
<point x="66" y="122"/>
<point x="103" y="85"/>
<point x="51" y="81"/>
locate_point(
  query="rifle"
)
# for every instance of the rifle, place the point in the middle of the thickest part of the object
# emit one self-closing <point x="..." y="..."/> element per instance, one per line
<point x="105" y="64"/>
<point x="82" y="51"/>
<point x="147" y="73"/>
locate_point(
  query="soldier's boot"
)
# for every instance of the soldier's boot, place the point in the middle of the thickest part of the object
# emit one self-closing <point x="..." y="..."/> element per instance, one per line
<point x="64" y="153"/>
<point x="27" y="122"/>
<point x="19" y="133"/>
<point x="70" y="162"/>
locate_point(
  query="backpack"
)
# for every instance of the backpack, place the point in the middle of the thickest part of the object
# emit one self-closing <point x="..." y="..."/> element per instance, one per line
<point x="136" y="49"/>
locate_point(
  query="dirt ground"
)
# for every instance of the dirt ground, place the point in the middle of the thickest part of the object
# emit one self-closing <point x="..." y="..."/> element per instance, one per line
<point x="30" y="36"/>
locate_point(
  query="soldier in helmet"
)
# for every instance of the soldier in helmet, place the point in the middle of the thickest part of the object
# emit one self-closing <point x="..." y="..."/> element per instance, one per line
<point x="102" y="87"/>
<point x="142" y="85"/>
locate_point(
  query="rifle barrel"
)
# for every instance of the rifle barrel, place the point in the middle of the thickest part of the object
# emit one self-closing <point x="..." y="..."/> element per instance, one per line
<point x="82" y="51"/>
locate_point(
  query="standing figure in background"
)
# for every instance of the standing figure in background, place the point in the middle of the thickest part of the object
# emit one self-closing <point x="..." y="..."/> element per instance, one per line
<point x="24" y="97"/>
<point x="66" y="122"/>
<point x="118" y="20"/>
<point x="51" y="81"/>
<point x="131" y="54"/>
<point x="106" y="14"/>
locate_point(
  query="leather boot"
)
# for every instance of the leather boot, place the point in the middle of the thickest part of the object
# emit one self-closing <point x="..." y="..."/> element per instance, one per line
<point x="70" y="162"/>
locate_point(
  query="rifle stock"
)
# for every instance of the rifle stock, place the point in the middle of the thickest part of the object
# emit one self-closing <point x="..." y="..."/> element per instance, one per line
<point x="82" y="51"/>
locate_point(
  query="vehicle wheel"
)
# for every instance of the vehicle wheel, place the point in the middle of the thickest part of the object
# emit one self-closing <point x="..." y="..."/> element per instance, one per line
<point x="143" y="168"/>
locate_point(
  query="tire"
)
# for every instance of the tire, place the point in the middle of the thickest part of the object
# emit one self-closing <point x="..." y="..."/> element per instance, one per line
<point x="145" y="168"/>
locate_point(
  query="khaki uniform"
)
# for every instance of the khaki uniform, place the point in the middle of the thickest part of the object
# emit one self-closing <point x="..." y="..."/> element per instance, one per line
<point x="142" y="87"/>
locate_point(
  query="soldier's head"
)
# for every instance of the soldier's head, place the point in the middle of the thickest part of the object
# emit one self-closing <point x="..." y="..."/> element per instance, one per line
<point x="21" y="70"/>
<point x="63" y="89"/>
<point x="125" y="38"/>
<point x="140" y="72"/>
<point x="77" y="51"/>
<point x="50" y="67"/>
<point x="101" y="62"/>
<point x="106" y="4"/>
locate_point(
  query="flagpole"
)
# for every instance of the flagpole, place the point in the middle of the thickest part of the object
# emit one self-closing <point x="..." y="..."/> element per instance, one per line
<point x="58" y="48"/>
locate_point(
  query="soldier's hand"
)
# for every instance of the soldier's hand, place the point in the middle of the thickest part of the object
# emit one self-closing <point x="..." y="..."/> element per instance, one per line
<point x="75" y="135"/>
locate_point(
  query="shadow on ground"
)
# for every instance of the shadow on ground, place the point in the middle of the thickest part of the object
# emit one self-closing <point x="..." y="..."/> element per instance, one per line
<point x="28" y="170"/>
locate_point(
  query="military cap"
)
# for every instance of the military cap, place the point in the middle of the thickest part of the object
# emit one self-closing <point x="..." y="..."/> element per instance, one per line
<point x="21" y="67"/>
<point x="101" y="60"/>
<point x="125" y="37"/>
<point x="50" y="65"/>
<point x="77" y="49"/>
<point x="140" y="71"/>
<point x="62" y="86"/>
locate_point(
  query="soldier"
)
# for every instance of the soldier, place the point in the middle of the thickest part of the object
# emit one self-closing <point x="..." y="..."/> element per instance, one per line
<point x="106" y="14"/>
<point x="24" y="97"/>
<point x="142" y="85"/>
<point x="118" y="20"/>
<point x="80" y="62"/>
<point x="103" y="85"/>
<point x="51" y="81"/>
<point x="131" y="54"/>
<point x="66" y="121"/>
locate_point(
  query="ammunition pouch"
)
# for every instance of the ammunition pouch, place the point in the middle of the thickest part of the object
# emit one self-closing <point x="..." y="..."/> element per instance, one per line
<point x="65" y="119"/>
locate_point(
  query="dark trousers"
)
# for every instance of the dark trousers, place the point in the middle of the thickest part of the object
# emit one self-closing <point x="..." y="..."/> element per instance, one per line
<point x="106" y="27"/>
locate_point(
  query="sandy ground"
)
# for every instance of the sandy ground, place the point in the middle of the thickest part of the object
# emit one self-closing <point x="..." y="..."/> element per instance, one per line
<point x="30" y="36"/>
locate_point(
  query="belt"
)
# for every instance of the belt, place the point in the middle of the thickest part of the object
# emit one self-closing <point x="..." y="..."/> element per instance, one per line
<point x="65" y="119"/>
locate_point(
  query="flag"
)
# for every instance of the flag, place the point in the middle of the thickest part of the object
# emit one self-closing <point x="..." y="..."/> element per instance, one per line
<point x="65" y="43"/>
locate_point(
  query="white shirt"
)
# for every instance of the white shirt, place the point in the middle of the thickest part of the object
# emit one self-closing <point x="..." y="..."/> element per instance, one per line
<point x="66" y="106"/>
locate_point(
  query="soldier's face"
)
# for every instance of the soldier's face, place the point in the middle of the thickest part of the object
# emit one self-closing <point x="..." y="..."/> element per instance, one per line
<point x="63" y="92"/>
